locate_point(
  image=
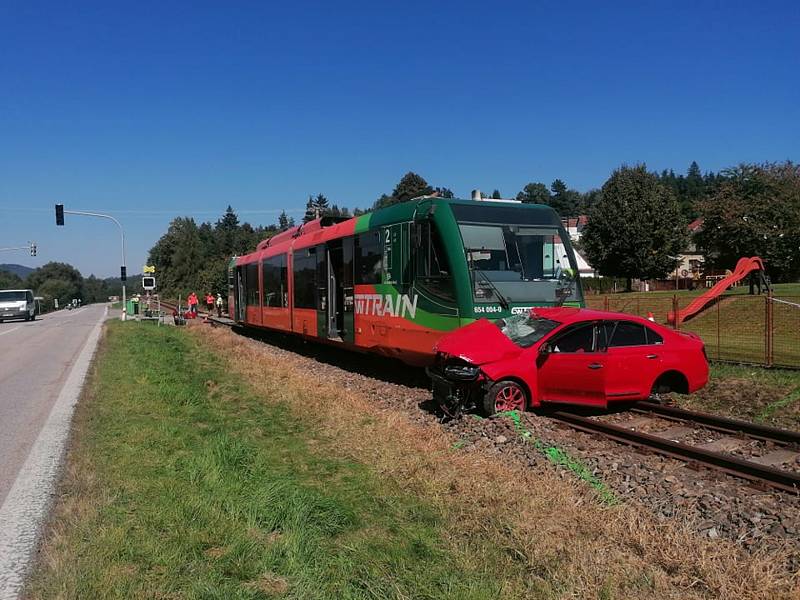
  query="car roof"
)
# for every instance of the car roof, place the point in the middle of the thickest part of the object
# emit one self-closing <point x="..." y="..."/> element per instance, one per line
<point x="27" y="290"/>
<point x="568" y="314"/>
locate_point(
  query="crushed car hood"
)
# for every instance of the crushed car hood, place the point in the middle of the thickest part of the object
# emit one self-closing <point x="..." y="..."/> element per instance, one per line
<point x="480" y="342"/>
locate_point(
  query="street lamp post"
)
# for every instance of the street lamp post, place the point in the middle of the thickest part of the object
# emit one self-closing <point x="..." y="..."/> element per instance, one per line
<point x="60" y="212"/>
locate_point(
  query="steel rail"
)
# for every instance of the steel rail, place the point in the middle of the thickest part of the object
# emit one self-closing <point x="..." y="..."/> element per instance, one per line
<point x="776" y="478"/>
<point x="720" y="423"/>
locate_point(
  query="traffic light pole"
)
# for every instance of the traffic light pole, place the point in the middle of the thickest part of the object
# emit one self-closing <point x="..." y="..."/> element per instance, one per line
<point x="30" y="246"/>
<point x="123" y="270"/>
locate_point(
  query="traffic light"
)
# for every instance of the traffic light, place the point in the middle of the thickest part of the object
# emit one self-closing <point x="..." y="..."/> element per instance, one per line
<point x="123" y="273"/>
<point x="33" y="249"/>
<point x="59" y="214"/>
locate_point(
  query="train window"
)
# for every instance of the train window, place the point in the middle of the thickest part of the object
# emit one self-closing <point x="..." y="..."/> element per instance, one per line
<point x="274" y="277"/>
<point x="251" y="284"/>
<point x="304" y="271"/>
<point x="369" y="258"/>
<point x="430" y="262"/>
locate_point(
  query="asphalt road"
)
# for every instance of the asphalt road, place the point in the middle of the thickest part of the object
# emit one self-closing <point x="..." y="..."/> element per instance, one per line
<point x="35" y="359"/>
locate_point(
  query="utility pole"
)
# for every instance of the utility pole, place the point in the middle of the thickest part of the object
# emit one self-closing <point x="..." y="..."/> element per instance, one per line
<point x="123" y="271"/>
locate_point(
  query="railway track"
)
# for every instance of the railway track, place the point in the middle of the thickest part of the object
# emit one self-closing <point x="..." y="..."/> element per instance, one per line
<point x="757" y="470"/>
<point x="780" y="446"/>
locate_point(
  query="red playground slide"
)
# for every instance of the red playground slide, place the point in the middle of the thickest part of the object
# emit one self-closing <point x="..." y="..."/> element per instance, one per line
<point x="744" y="267"/>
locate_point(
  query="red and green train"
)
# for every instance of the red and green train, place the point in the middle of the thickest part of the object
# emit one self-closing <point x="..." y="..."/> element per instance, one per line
<point x="395" y="280"/>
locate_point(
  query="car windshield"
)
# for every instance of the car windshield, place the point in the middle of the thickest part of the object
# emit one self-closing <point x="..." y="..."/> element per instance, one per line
<point x="526" y="330"/>
<point x="12" y="296"/>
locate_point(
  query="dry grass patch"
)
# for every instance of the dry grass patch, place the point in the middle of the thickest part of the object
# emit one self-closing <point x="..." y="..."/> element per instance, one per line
<point x="557" y="539"/>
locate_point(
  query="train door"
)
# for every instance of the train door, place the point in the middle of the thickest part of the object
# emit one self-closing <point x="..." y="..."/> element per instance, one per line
<point x="347" y="322"/>
<point x="240" y="300"/>
<point x="335" y="290"/>
<point x="323" y="286"/>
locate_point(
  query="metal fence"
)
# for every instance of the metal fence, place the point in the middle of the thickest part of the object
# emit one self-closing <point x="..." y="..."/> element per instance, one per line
<point x="760" y="330"/>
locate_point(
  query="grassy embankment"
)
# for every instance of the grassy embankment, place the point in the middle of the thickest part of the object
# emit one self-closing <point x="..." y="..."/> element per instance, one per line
<point x="734" y="331"/>
<point x="186" y="480"/>
<point x="183" y="483"/>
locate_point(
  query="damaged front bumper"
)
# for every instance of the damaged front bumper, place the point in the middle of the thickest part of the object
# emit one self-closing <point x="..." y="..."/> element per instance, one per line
<point x="456" y="388"/>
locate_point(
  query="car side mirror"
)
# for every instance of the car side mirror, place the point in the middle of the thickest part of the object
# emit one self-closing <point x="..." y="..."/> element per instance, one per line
<point x="545" y="349"/>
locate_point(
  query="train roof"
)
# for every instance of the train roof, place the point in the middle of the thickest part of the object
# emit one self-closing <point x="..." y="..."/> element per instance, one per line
<point x="469" y="211"/>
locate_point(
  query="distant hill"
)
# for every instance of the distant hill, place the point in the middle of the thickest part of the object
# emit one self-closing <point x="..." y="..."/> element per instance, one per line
<point x="19" y="270"/>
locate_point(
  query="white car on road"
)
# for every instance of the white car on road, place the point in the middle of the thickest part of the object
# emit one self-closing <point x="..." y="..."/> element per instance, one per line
<point x="17" y="304"/>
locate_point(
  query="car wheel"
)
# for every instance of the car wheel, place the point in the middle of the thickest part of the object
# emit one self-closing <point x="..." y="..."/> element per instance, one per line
<point x="504" y="395"/>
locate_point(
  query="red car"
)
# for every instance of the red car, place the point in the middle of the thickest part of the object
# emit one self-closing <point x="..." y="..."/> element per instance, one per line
<point x="564" y="355"/>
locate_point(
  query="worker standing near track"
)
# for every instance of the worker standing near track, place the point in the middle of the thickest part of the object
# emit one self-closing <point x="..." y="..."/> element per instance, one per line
<point x="192" y="302"/>
<point x="209" y="303"/>
<point x="219" y="305"/>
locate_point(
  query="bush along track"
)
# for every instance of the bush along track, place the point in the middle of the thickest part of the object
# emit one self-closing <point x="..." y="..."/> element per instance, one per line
<point x="489" y="481"/>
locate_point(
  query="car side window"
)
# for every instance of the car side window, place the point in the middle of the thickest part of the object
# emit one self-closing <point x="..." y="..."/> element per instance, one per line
<point x="606" y="331"/>
<point x="627" y="333"/>
<point x="653" y="337"/>
<point x="578" y="339"/>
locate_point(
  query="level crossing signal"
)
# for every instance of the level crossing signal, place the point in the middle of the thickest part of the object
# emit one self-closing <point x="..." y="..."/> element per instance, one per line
<point x="60" y="214"/>
<point x="33" y="248"/>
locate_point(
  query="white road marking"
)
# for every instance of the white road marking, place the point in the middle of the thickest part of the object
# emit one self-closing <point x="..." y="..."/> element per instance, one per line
<point x="28" y="501"/>
<point x="10" y="330"/>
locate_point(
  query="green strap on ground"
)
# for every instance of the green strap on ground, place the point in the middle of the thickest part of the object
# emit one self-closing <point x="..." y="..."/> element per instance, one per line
<point x="560" y="457"/>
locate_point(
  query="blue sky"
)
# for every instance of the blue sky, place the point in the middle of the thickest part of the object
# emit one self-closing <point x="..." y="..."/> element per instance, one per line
<point x="152" y="110"/>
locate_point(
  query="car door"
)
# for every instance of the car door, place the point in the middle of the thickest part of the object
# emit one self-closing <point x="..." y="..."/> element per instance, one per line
<point x="634" y="359"/>
<point x="571" y="369"/>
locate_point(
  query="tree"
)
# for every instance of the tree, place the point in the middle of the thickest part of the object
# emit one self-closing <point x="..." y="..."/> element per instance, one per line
<point x="564" y="200"/>
<point x="226" y="230"/>
<point x="443" y="192"/>
<point x="755" y="211"/>
<point x="534" y="193"/>
<point x="315" y="207"/>
<point x="9" y="280"/>
<point x="410" y="186"/>
<point x="587" y="200"/>
<point x="179" y="255"/>
<point x="283" y="221"/>
<point x="56" y="280"/>
<point x="496" y="195"/>
<point x="635" y="229"/>
<point x="694" y="191"/>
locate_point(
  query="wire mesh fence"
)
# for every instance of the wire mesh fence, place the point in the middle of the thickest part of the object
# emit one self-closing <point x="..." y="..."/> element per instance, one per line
<point x="760" y="330"/>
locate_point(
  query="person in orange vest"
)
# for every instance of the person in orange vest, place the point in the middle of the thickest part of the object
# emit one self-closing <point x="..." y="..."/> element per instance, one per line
<point x="209" y="303"/>
<point x="192" y="302"/>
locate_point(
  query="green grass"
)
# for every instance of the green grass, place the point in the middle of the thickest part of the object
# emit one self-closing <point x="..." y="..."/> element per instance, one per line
<point x="182" y="482"/>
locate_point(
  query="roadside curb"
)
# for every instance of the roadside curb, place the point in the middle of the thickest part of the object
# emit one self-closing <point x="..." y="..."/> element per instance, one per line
<point x="27" y="504"/>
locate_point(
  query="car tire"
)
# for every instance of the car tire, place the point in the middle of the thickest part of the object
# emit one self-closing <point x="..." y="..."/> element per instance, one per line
<point x="503" y="396"/>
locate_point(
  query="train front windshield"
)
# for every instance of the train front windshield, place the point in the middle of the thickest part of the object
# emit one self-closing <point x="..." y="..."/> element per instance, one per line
<point x="519" y="262"/>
